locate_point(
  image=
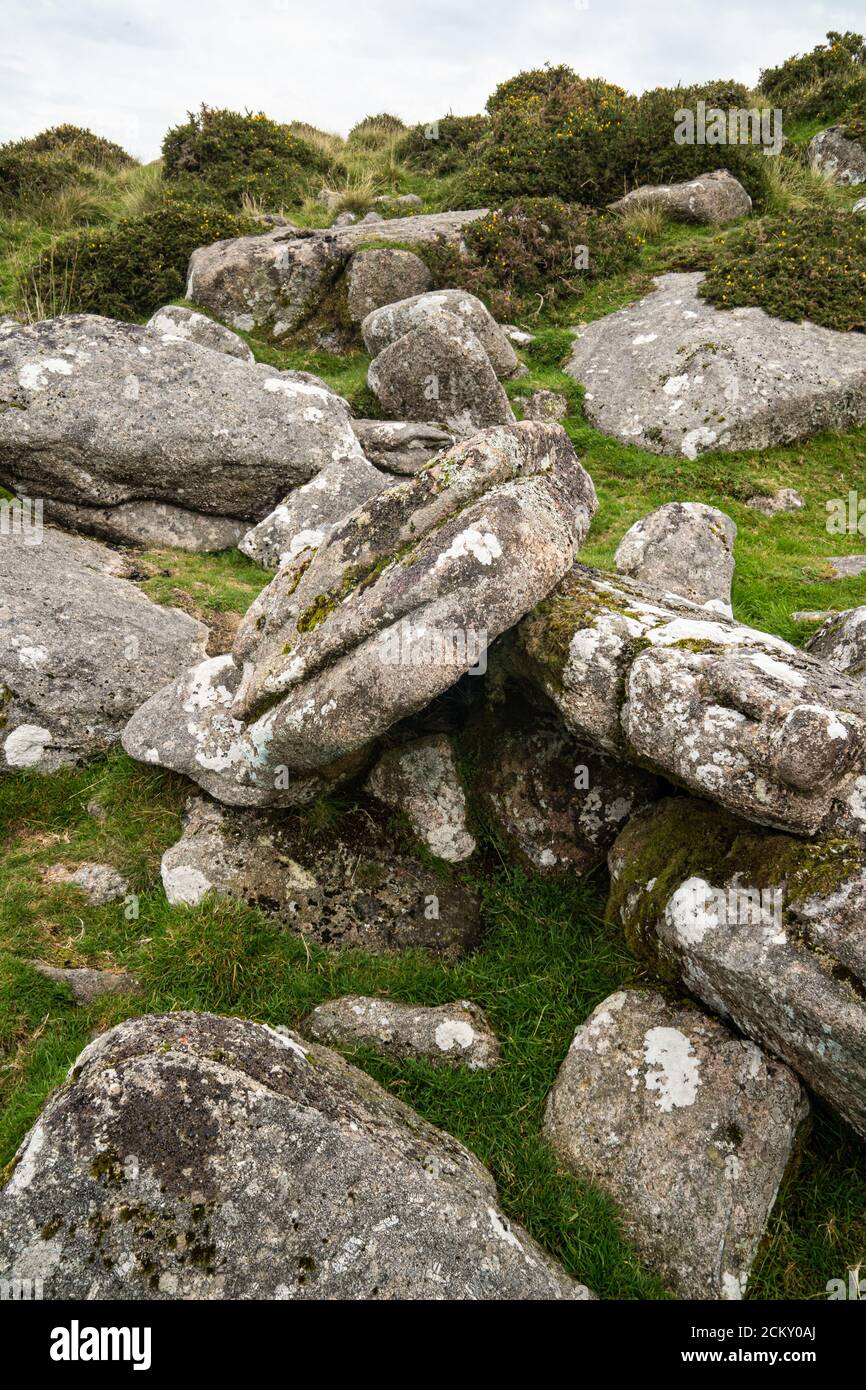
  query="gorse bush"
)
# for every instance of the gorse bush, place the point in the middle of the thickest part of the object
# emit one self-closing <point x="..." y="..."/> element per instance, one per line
<point x="443" y="146"/>
<point x="128" y="270"/>
<point x="535" y="252"/>
<point x="554" y="134"/>
<point x="808" y="265"/>
<point x="36" y="169"/>
<point x="828" y="84"/>
<point x="226" y="157"/>
<point x="79" y="144"/>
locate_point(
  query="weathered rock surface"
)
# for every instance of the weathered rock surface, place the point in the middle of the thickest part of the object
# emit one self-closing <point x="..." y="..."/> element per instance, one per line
<point x="841" y="642"/>
<point x="100" y="883"/>
<point x="108" y="414"/>
<point x="176" y="321"/>
<point x="726" y="711"/>
<point x="80" y="649"/>
<point x="440" y="371"/>
<point x="785" y="499"/>
<point x="860" y="205"/>
<point x="308" y="515"/>
<point x="352" y="886"/>
<point x="674" y="375"/>
<point x="714" y="198"/>
<point x="384" y="326"/>
<point x="545" y="405"/>
<point x="685" y="549"/>
<point x="846" y="566"/>
<point x="87" y="985"/>
<point x="401" y="446"/>
<point x="274" y="282"/>
<point x="559" y="804"/>
<point x="689" y="1129"/>
<point x="380" y="277"/>
<point x="766" y="930"/>
<point x="839" y="159"/>
<point x="421" y="780"/>
<point x="398" y="200"/>
<point x="183" y="1159"/>
<point x="450" y="1035"/>
<point x="149" y="524"/>
<point x="398" y="603"/>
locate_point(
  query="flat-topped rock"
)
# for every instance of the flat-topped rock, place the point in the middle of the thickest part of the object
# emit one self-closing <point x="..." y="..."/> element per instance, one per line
<point x="674" y="375"/>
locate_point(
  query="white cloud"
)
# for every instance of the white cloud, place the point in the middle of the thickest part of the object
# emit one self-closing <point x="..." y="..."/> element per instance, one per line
<point x="131" y="68"/>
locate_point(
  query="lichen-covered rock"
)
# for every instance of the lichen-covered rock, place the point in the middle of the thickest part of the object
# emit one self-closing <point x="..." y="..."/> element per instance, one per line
<point x="397" y="604"/>
<point x="390" y="201"/>
<point x="559" y="804"/>
<point x="784" y="499"/>
<point x="841" y="642"/>
<point x="100" y="883"/>
<point x="307" y="516"/>
<point x="401" y="446"/>
<point x="674" y="375"/>
<point x="421" y="780"/>
<point x="87" y="985"/>
<point x="183" y="1158"/>
<point x="846" y="566"/>
<point x="685" y="549"/>
<point x="860" y="205"/>
<point x="177" y="321"/>
<point x="150" y="525"/>
<point x="714" y="199"/>
<point x="450" y="1035"/>
<point x="767" y="930"/>
<point x="545" y="405"/>
<point x="440" y="371"/>
<point x="274" y="282"/>
<point x="80" y="649"/>
<point x="384" y="326"/>
<point x="108" y="414"/>
<point x="353" y="885"/>
<point x="380" y="277"/>
<point x="726" y="711"/>
<point x="689" y="1129"/>
<point x="837" y="158"/>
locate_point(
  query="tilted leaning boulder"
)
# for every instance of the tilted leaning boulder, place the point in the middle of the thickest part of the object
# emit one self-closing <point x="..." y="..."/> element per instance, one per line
<point x="385" y="325"/>
<point x="306" y="517"/>
<point x="685" y="549"/>
<point x="767" y="930"/>
<point x="192" y="1156"/>
<point x="397" y="604"/>
<point x="80" y="649"/>
<point x="127" y="433"/>
<point x="838" y="157"/>
<point x="440" y="371"/>
<point x="726" y="711"/>
<point x="689" y="1129"/>
<point x="841" y="642"/>
<point x="674" y="375"/>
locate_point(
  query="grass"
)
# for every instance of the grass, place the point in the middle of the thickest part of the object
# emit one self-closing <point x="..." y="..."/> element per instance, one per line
<point x="547" y="958"/>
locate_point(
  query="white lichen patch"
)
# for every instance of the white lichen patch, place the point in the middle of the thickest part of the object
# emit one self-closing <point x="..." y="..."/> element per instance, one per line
<point x="673" y="1069"/>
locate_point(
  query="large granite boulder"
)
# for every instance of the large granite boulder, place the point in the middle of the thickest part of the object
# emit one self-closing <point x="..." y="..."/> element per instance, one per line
<point x="195" y="1157"/>
<point x="274" y="282"/>
<point x="838" y="158"/>
<point x="449" y="1035"/>
<point x="767" y="930"/>
<point x="177" y="321"/>
<point x="122" y="430"/>
<point x="714" y="198"/>
<point x="379" y="277"/>
<point x="674" y="375"/>
<point x="353" y="886"/>
<point x="397" y="604"/>
<point x="841" y="642"/>
<point x="685" y="549"/>
<point x="384" y="326"/>
<point x="80" y="649"/>
<point x="401" y="446"/>
<point x="440" y="371"/>
<point x="726" y="711"/>
<point x="308" y="515"/>
<point x="689" y="1129"/>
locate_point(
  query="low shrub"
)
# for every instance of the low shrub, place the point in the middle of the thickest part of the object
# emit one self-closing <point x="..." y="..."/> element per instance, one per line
<point x="443" y="146"/>
<point x="228" y="157"/>
<point x="836" y="58"/>
<point x="81" y="145"/>
<point x="37" y="169"/>
<point x="808" y="265"/>
<point x="127" y="270"/>
<point x="533" y="252"/>
<point x="654" y="156"/>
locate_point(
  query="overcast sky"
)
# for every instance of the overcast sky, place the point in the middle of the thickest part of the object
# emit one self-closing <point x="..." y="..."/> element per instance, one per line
<point x="129" y="69"/>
